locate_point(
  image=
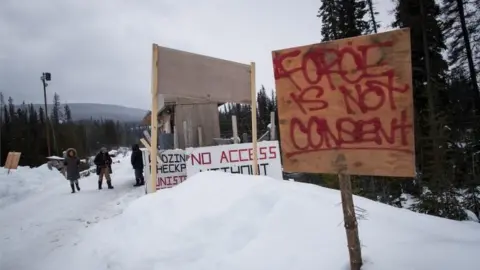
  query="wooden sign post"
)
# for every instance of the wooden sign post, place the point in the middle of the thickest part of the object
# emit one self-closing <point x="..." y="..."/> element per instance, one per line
<point x="152" y="183"/>
<point x="253" y="91"/>
<point x="346" y="107"/>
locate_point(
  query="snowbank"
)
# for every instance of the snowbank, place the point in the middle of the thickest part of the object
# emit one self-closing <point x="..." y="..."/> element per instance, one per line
<point x="222" y="221"/>
<point x="22" y="182"/>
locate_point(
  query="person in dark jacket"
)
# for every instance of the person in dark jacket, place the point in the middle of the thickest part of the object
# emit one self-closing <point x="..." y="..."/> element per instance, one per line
<point x="137" y="164"/>
<point x="103" y="161"/>
<point x="72" y="168"/>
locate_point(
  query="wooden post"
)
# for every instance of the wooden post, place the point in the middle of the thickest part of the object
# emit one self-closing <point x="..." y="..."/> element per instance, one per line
<point x="253" y="90"/>
<point x="175" y="137"/>
<point x="190" y="133"/>
<point x="154" y="121"/>
<point x="185" y="134"/>
<point x="350" y="220"/>
<point x="147" y="167"/>
<point x="200" y="137"/>
<point x="167" y="125"/>
<point x="272" y="126"/>
<point x="235" y="129"/>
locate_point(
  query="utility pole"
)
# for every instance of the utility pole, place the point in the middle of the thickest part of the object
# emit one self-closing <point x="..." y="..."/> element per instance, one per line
<point x="46" y="76"/>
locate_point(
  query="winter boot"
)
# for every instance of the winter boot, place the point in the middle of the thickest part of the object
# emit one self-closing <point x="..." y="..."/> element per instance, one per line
<point x="137" y="183"/>
<point x="78" y="186"/>
<point x="142" y="181"/>
<point x="109" y="183"/>
<point x="99" y="184"/>
<point x="73" y="188"/>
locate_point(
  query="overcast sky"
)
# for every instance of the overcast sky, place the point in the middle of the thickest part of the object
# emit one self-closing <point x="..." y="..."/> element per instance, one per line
<point x="100" y="50"/>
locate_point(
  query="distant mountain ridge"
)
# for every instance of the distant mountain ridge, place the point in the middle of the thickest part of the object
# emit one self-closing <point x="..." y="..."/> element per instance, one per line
<point x="85" y="111"/>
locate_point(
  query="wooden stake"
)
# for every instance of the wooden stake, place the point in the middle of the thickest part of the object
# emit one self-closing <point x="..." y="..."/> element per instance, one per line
<point x="200" y="137"/>
<point x="154" y="120"/>
<point x="190" y="133"/>
<point x="235" y="129"/>
<point x="145" y="143"/>
<point x="185" y="134"/>
<point x="253" y="90"/>
<point x="175" y="138"/>
<point x="350" y="220"/>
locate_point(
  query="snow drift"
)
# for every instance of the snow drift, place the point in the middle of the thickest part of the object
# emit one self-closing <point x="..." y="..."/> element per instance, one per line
<point x="216" y="220"/>
<point x="23" y="181"/>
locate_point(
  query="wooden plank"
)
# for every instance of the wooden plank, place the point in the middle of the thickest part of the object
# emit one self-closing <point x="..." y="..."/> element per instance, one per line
<point x="350" y="97"/>
<point x="204" y="115"/>
<point x="195" y="76"/>
<point x="254" y="118"/>
<point x="145" y="143"/>
<point x="152" y="185"/>
<point x="200" y="136"/>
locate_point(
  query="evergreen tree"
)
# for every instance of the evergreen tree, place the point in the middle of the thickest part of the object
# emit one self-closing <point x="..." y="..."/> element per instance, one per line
<point x="41" y="115"/>
<point x="344" y="18"/>
<point x="264" y="109"/>
<point x="458" y="19"/>
<point x="374" y="25"/>
<point x="352" y="19"/>
<point x="431" y="106"/>
<point x="329" y="13"/>
<point x="67" y="113"/>
<point x="56" y="117"/>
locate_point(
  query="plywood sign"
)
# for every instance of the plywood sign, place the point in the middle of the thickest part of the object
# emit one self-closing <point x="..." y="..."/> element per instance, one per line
<point x="195" y="76"/>
<point x="350" y="100"/>
<point x="12" y="160"/>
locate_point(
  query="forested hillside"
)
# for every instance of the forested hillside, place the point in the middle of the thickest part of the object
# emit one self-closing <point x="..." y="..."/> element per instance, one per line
<point x="23" y="130"/>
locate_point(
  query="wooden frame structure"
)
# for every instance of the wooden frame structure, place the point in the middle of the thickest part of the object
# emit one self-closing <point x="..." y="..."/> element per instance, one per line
<point x="158" y="102"/>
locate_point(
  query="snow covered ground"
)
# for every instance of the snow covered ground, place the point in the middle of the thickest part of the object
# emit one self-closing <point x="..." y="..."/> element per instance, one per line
<point x="21" y="183"/>
<point x="40" y="216"/>
<point x="220" y="221"/>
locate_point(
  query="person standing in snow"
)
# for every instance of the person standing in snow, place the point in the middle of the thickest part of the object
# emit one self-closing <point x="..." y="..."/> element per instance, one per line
<point x="137" y="164"/>
<point x="72" y="168"/>
<point x="103" y="161"/>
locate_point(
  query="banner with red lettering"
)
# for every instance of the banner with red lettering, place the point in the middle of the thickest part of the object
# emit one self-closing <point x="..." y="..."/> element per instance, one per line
<point x="172" y="169"/>
<point x="236" y="158"/>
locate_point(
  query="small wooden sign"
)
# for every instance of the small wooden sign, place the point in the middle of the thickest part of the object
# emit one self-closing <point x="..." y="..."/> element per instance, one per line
<point x="12" y="161"/>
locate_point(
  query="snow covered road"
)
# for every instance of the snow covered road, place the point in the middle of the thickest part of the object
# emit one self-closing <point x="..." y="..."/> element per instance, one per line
<point x="33" y="229"/>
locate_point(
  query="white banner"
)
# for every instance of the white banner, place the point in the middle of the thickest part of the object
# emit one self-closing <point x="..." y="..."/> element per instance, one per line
<point x="172" y="168"/>
<point x="236" y="158"/>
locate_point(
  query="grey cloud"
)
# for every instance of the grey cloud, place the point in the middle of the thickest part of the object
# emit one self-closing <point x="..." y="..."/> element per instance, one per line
<point x="100" y="51"/>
